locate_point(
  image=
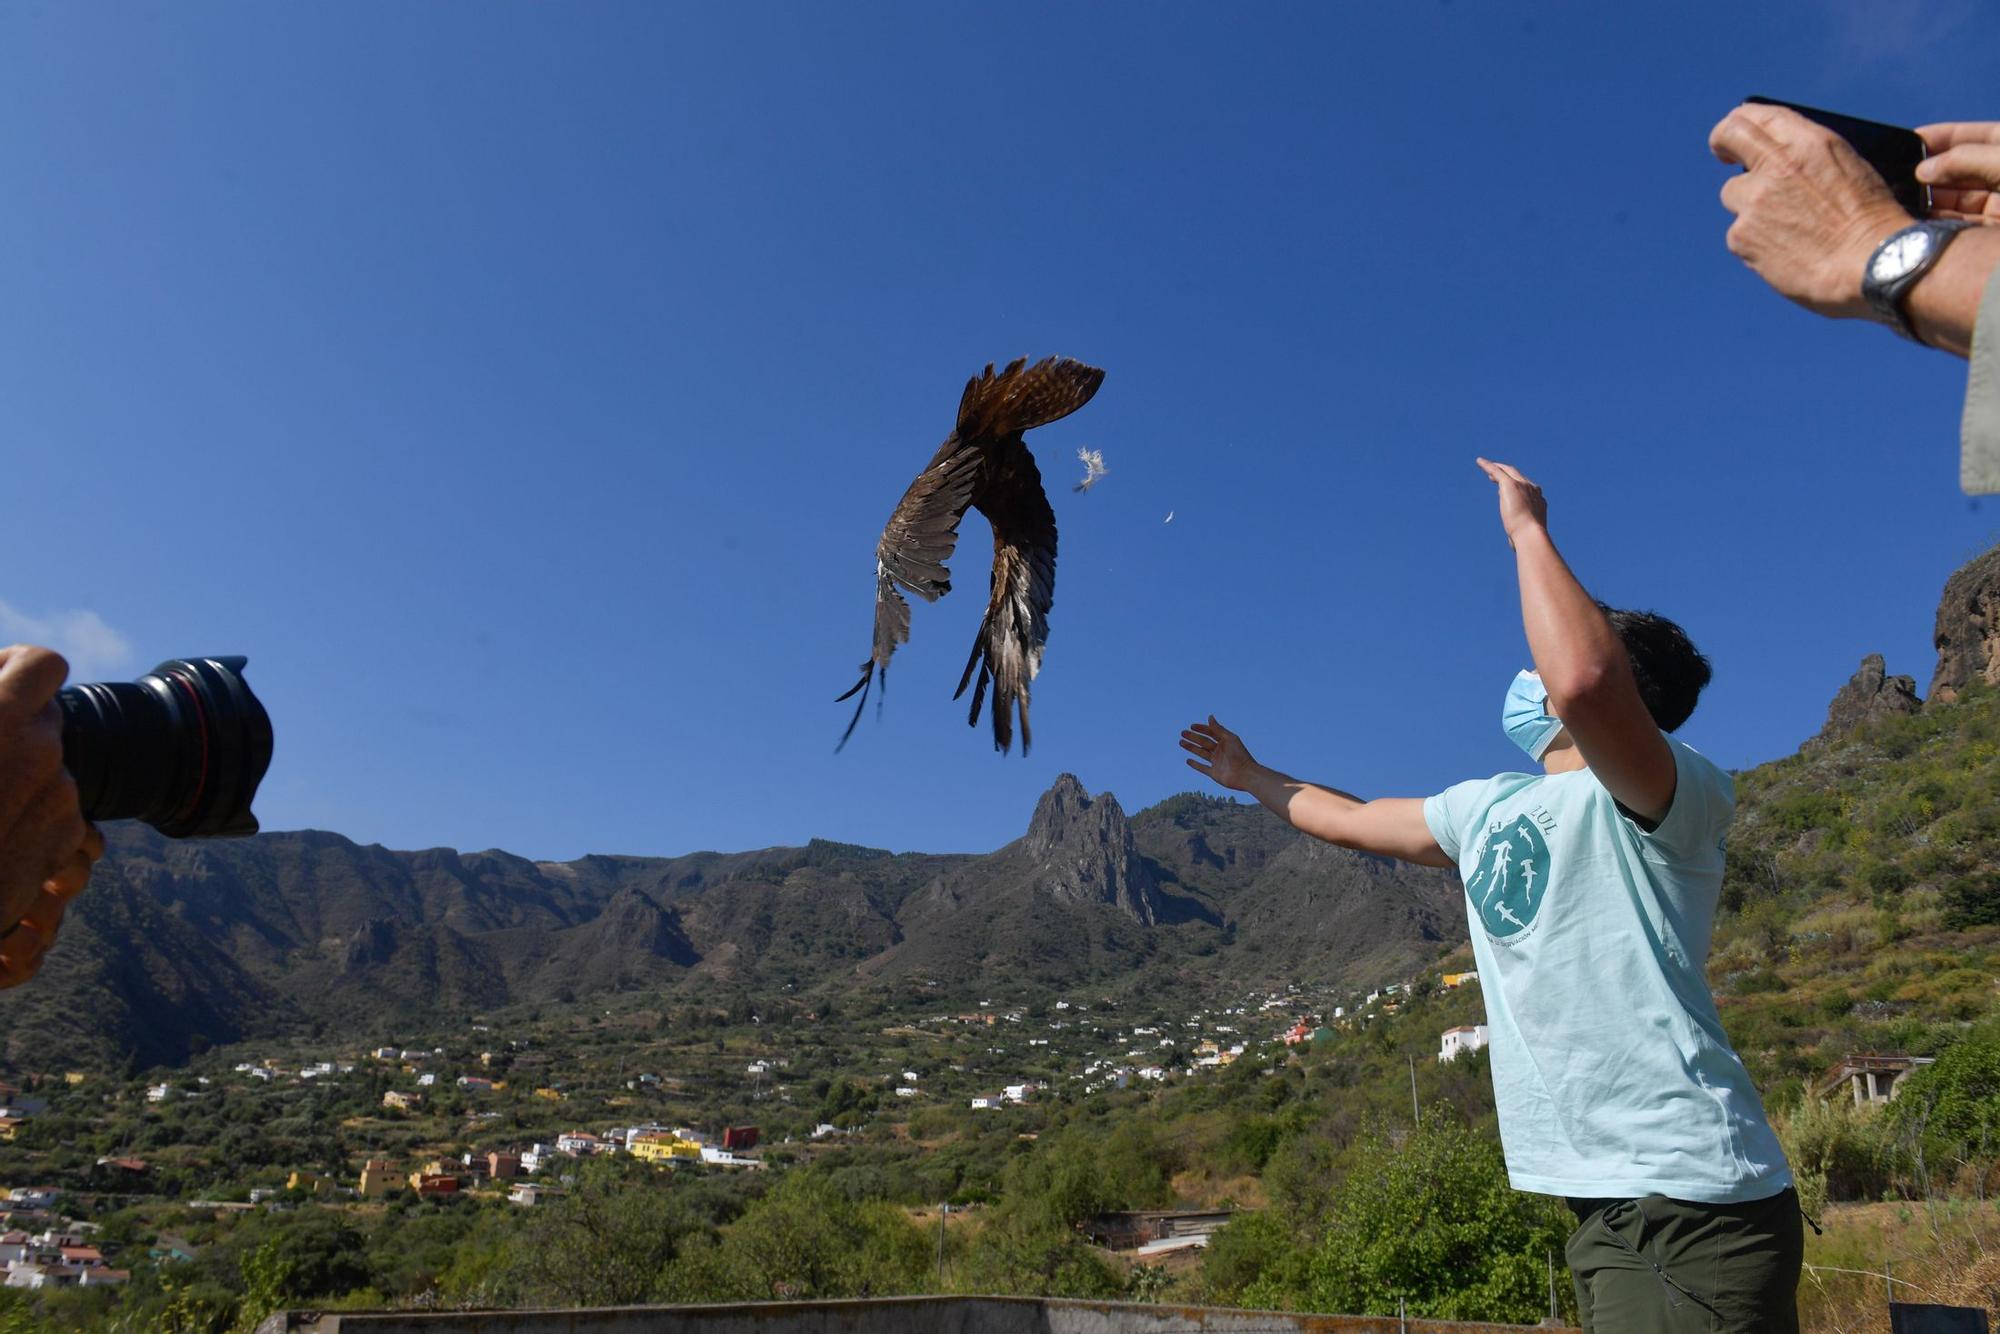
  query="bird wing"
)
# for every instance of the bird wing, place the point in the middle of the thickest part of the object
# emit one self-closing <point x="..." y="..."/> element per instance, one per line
<point x="1022" y="397"/>
<point x="1008" y="649"/>
<point x="919" y="538"/>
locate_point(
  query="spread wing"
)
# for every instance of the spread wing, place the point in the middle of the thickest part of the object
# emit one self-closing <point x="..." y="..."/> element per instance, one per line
<point x="1023" y="397"/>
<point x="917" y="541"/>
<point x="1008" y="649"/>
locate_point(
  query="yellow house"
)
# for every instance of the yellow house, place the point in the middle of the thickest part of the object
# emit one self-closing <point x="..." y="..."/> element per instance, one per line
<point x="75" y="1077"/>
<point x="376" y="1178"/>
<point x="665" y="1148"/>
<point x="1453" y="981"/>
<point x="402" y="1101"/>
<point x="553" y="1095"/>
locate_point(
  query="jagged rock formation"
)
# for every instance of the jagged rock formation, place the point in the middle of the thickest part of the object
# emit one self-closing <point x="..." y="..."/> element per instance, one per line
<point x="1968" y="628"/>
<point x="1083" y="850"/>
<point x="1869" y="694"/>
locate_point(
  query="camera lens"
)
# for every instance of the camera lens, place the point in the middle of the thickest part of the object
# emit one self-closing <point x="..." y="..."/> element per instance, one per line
<point x="182" y="748"/>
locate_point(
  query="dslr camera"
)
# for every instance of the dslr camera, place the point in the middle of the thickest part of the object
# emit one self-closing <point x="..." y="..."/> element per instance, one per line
<point x="182" y="748"/>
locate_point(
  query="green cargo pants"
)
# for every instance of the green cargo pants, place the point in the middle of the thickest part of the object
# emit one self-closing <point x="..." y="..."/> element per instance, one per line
<point x="1661" y="1266"/>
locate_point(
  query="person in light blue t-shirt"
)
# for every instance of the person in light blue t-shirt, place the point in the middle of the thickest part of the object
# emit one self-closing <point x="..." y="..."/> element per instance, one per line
<point x="1591" y="890"/>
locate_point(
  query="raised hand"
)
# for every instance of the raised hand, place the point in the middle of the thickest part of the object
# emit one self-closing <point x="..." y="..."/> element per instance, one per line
<point x="1522" y="505"/>
<point x="1219" y="753"/>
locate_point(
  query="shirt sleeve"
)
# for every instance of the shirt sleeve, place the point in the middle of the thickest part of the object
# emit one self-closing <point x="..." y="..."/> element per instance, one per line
<point x="1979" y="428"/>
<point x="1704" y="804"/>
<point x="1450" y="811"/>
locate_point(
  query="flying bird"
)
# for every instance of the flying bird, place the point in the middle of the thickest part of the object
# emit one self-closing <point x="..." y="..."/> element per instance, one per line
<point x="984" y="465"/>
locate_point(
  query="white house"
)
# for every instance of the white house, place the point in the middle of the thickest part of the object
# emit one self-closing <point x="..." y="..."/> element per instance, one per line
<point x="1468" y="1037"/>
<point x="985" y="1103"/>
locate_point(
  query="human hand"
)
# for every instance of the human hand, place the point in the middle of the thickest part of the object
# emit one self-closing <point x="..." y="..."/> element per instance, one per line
<point x="1220" y="754"/>
<point x="1809" y="211"/>
<point x="1963" y="169"/>
<point x="46" y="846"/>
<point x="1522" y="505"/>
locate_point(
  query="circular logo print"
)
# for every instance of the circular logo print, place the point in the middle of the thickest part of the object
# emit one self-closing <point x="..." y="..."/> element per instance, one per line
<point x="1512" y="876"/>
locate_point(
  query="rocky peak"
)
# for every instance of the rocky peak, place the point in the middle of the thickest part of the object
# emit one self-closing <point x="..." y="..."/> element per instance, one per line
<point x="1869" y="694"/>
<point x="1082" y="847"/>
<point x="1968" y="628"/>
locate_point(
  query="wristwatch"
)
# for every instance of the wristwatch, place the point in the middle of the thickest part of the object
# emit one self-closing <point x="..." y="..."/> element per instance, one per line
<point x="1897" y="264"/>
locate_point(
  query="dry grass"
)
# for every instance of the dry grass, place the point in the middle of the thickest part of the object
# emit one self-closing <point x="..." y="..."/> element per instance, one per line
<point x="1946" y="1252"/>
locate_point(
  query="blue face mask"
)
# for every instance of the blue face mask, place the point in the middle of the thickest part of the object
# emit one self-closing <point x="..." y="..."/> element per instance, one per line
<point x="1525" y="715"/>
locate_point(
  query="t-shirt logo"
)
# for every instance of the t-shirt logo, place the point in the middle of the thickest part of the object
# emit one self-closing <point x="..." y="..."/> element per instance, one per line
<point x="1513" y="875"/>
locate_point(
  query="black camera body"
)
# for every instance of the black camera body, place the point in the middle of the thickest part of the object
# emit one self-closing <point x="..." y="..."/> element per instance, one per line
<point x="182" y="748"/>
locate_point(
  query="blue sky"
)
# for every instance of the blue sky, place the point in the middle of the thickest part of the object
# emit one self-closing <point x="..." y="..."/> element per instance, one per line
<point x="523" y="387"/>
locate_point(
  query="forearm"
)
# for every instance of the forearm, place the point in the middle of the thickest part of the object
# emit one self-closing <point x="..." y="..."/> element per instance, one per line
<point x="1943" y="307"/>
<point x="1387" y="826"/>
<point x="1575" y="650"/>
<point x="1323" y="812"/>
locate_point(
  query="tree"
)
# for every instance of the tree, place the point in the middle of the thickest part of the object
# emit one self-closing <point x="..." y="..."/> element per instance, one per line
<point x="1432" y="1221"/>
<point x="1953" y="1106"/>
<point x="606" y="1243"/>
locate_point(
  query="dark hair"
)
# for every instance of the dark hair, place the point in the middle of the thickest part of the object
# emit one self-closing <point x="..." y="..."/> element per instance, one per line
<point x="1671" y="671"/>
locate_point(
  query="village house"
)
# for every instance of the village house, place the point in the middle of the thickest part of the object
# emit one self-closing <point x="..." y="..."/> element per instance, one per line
<point x="402" y="1101"/>
<point x="1464" y="1038"/>
<point x="503" y="1166"/>
<point x="665" y="1148"/>
<point x="1453" y="981"/>
<point x="579" y="1142"/>
<point x="376" y="1178"/>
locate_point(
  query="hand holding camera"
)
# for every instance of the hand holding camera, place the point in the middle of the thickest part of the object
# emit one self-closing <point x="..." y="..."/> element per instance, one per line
<point x="46" y="847"/>
<point x="182" y="748"/>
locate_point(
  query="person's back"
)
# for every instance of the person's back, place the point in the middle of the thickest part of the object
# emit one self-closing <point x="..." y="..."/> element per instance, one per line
<point x="1610" y="1066"/>
<point x="1591" y="890"/>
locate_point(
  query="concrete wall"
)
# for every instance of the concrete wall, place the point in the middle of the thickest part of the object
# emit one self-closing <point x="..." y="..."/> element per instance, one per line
<point x="893" y="1315"/>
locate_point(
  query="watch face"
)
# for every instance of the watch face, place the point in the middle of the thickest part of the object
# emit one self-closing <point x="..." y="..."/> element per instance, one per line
<point x="1900" y="255"/>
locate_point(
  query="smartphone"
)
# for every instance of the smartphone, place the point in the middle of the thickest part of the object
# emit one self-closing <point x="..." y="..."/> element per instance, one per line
<point x="1894" y="152"/>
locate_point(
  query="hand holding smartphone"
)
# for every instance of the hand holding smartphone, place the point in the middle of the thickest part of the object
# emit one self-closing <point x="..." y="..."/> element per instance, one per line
<point x="1892" y="151"/>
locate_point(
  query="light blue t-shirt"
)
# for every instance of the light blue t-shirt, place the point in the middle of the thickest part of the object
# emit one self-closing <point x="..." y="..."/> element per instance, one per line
<point x="1613" y="1076"/>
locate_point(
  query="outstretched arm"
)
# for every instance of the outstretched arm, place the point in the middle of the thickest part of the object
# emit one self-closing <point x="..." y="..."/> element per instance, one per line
<point x="1390" y="827"/>
<point x="1582" y="661"/>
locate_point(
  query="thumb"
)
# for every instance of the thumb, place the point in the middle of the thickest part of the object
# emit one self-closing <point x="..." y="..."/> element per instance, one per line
<point x="1967" y="164"/>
